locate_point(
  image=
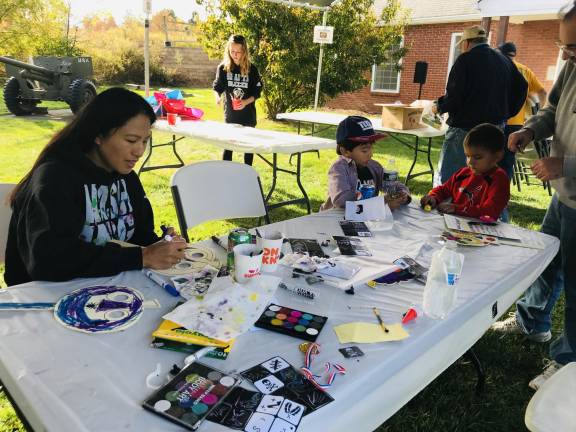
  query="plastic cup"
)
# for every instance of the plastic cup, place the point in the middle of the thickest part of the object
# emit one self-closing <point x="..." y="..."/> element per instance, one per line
<point x="236" y="104"/>
<point x="172" y="118"/>
<point x="247" y="262"/>
<point x="271" y="245"/>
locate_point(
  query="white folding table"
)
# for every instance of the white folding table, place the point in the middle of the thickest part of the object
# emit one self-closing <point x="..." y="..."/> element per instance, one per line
<point x="333" y="119"/>
<point x="247" y="140"/>
<point x="65" y="381"/>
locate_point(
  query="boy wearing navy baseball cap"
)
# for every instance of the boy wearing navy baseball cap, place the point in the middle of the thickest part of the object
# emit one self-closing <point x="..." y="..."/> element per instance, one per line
<point x="355" y="167"/>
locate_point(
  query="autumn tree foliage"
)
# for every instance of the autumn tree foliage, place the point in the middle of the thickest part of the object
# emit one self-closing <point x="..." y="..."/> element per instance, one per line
<point x="281" y="45"/>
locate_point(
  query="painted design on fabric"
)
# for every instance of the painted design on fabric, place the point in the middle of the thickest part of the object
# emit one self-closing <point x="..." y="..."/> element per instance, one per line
<point x="109" y="213"/>
<point x="99" y="309"/>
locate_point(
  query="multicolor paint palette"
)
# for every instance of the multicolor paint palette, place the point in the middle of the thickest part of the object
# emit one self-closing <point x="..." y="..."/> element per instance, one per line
<point x="291" y="322"/>
<point x="191" y="395"/>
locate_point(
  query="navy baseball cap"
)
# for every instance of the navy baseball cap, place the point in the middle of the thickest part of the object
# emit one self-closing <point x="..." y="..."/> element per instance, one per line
<point x="358" y="129"/>
<point x="508" y="48"/>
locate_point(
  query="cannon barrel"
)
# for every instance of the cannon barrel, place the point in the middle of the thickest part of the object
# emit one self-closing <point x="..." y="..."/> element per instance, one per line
<point x="30" y="67"/>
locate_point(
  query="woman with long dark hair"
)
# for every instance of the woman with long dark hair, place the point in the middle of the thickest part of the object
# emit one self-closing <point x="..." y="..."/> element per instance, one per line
<point x="239" y="84"/>
<point x="82" y="193"/>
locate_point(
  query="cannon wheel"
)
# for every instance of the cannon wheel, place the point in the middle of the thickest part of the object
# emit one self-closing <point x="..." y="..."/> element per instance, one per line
<point x="14" y="101"/>
<point x="80" y="92"/>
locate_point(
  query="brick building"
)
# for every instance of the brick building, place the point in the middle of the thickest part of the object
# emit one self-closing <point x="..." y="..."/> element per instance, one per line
<point x="434" y="30"/>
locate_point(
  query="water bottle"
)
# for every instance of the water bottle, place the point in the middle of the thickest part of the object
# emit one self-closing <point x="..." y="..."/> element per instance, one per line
<point x="390" y="178"/>
<point x="440" y="291"/>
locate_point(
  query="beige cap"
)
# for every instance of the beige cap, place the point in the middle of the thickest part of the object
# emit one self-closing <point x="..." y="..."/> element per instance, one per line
<point x="473" y="33"/>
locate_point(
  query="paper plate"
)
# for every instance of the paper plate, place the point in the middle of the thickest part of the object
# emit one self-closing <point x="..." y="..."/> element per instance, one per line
<point x="99" y="309"/>
<point x="196" y="259"/>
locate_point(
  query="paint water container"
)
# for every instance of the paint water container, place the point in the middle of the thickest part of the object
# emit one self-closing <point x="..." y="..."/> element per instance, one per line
<point x="390" y="178"/>
<point x="440" y="291"/>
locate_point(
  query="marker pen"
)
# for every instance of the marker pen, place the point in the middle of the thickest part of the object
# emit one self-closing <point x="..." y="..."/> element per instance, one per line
<point x="164" y="229"/>
<point x="157" y="279"/>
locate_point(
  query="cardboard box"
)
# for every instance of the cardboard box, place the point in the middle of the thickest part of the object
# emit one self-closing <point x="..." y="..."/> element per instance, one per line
<point x="401" y="117"/>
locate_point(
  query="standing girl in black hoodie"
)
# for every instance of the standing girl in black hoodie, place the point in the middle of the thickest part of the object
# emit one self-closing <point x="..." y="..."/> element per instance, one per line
<point x="239" y="84"/>
<point x="81" y="193"/>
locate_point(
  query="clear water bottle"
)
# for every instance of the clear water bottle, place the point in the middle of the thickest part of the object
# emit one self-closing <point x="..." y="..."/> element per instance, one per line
<point x="440" y="291"/>
<point x="390" y="178"/>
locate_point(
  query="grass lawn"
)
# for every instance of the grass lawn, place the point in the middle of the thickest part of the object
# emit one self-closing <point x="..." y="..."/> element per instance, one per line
<point x="449" y="402"/>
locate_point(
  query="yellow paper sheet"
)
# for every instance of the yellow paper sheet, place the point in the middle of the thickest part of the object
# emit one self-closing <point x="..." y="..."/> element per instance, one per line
<point x="361" y="332"/>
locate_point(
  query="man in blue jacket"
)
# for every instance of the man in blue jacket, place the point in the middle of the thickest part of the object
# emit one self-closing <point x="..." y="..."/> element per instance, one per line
<point x="484" y="86"/>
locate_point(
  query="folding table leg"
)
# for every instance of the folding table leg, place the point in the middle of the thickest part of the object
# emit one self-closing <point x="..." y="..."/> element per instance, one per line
<point x="298" y="172"/>
<point x="409" y="175"/>
<point x="471" y="355"/>
<point x="172" y="143"/>
<point x="274" y="175"/>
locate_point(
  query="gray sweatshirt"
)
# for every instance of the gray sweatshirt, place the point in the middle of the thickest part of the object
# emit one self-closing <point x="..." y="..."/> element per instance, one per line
<point x="559" y="119"/>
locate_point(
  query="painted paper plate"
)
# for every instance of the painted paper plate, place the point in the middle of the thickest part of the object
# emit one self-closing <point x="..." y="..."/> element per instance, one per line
<point x="99" y="309"/>
<point x="196" y="259"/>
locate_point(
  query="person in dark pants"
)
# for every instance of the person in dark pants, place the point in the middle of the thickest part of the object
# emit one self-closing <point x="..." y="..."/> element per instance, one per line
<point x="238" y="85"/>
<point x="533" y="316"/>
<point x="484" y="86"/>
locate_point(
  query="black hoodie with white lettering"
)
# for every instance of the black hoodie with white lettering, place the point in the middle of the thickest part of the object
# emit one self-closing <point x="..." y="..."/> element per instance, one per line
<point x="65" y="217"/>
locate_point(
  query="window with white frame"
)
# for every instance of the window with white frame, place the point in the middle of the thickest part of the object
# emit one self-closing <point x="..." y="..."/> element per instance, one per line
<point x="455" y="51"/>
<point x="559" y="65"/>
<point x="386" y="76"/>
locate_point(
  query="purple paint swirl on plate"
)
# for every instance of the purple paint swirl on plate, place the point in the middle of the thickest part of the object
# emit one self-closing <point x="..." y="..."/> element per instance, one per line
<point x="99" y="309"/>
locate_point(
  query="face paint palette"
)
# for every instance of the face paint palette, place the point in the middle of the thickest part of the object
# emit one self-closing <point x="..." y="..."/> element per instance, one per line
<point x="191" y="395"/>
<point x="291" y="322"/>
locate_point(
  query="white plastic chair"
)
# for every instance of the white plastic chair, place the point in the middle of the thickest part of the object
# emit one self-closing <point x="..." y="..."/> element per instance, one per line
<point x="5" y="214"/>
<point x="551" y="409"/>
<point x="214" y="190"/>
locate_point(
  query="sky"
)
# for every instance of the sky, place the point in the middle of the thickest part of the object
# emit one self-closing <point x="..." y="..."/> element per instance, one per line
<point x="121" y="8"/>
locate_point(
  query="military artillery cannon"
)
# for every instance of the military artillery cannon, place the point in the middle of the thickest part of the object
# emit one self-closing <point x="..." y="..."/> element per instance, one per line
<point x="48" y="78"/>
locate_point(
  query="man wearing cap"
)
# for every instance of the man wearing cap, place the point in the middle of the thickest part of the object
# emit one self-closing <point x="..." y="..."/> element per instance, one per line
<point x="533" y="312"/>
<point x="484" y="86"/>
<point x="535" y="89"/>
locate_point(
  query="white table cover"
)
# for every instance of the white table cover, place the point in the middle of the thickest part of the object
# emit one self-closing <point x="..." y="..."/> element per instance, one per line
<point x="245" y="139"/>
<point x="68" y="381"/>
<point x="334" y="119"/>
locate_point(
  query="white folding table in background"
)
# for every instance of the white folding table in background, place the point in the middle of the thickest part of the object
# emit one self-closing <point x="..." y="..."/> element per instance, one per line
<point x="246" y="140"/>
<point x="333" y="119"/>
<point x="66" y="381"/>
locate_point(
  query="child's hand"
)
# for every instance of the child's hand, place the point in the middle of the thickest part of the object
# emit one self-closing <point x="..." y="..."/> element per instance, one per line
<point x="428" y="200"/>
<point x="396" y="200"/>
<point x="446" y="207"/>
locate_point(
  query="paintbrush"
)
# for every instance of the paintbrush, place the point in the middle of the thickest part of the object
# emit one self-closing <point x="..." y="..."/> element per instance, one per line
<point x="375" y="310"/>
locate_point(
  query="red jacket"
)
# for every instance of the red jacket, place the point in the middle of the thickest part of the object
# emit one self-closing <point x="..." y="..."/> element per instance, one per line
<point x="476" y="195"/>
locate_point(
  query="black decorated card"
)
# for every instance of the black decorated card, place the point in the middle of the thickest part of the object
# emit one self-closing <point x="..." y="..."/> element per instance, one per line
<point x="235" y="411"/>
<point x="279" y="378"/>
<point x="354" y="228"/>
<point x="291" y="322"/>
<point x="306" y="246"/>
<point x="191" y="395"/>
<point x="352" y="246"/>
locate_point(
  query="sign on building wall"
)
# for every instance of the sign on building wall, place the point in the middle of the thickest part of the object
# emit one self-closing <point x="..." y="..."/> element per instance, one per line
<point x="323" y="34"/>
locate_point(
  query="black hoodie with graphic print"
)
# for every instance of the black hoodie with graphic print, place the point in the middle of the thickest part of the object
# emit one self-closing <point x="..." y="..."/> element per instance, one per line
<point x="66" y="215"/>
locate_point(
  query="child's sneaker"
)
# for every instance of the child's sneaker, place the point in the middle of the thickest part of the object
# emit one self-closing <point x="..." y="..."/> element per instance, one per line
<point x="550" y="368"/>
<point x="510" y="326"/>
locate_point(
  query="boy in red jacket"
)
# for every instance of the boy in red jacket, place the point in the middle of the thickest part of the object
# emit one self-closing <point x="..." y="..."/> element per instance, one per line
<point x="481" y="189"/>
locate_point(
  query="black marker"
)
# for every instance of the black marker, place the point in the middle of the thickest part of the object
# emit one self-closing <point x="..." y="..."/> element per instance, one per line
<point x="219" y="242"/>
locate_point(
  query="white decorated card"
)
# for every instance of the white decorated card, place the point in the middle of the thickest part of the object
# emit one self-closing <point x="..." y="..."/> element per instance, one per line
<point x="368" y="210"/>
